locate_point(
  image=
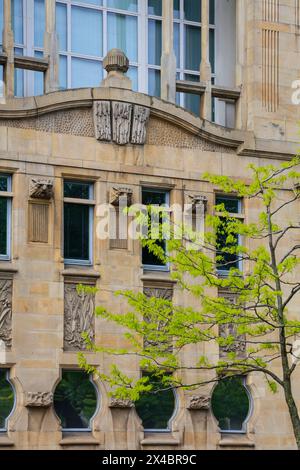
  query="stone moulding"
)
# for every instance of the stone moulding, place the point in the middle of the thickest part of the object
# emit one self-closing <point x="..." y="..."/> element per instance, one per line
<point x="199" y="402"/>
<point x="39" y="399"/>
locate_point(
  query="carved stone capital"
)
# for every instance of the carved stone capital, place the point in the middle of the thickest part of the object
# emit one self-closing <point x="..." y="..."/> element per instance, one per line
<point x="199" y="402"/>
<point x="197" y="200"/>
<point x="41" y="189"/>
<point x="6" y="311"/>
<point x="121" y="194"/>
<point x="120" y="403"/>
<point x="39" y="399"/>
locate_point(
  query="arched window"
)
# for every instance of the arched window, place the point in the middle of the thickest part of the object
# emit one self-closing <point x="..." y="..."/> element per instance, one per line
<point x="231" y="404"/>
<point x="7" y="399"/>
<point x="75" y="400"/>
<point x="157" y="407"/>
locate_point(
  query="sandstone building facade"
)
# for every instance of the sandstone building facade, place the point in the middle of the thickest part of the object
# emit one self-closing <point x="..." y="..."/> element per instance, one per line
<point x="209" y="88"/>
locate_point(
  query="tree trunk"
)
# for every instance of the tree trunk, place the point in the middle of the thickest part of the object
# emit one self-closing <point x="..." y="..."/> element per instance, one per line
<point x="294" y="415"/>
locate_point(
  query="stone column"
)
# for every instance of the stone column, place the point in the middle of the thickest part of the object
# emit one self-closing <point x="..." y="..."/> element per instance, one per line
<point x="205" y="67"/>
<point x="8" y="48"/>
<point x="241" y="109"/>
<point x="168" y="59"/>
<point x="51" y="48"/>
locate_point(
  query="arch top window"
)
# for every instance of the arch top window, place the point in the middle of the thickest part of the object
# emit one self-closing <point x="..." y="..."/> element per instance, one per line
<point x="156" y="408"/>
<point x="75" y="401"/>
<point x="231" y="404"/>
<point x="7" y="399"/>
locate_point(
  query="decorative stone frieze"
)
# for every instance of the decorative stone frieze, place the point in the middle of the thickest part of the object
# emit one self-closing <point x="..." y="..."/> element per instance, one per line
<point x="139" y="125"/>
<point x="199" y="402"/>
<point x="121" y="122"/>
<point x="41" y="189"/>
<point x="120" y="403"/>
<point x="228" y="329"/>
<point x="159" y="292"/>
<point x="6" y="311"/>
<point x="102" y="120"/>
<point x="39" y="399"/>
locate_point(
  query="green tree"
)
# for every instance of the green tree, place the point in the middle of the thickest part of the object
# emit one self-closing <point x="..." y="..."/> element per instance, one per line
<point x="261" y="272"/>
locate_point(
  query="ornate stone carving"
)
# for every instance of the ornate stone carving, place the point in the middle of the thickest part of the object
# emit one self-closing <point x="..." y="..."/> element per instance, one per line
<point x="41" y="189"/>
<point x="120" y="403"/>
<point x="116" y="194"/>
<point x="39" y="399"/>
<point x="158" y="292"/>
<point x="102" y="120"/>
<point x="238" y="346"/>
<point x="197" y="200"/>
<point x="139" y="125"/>
<point x="5" y="311"/>
<point x="122" y="113"/>
<point x="78" y="317"/>
<point x="199" y="402"/>
<point x="116" y="61"/>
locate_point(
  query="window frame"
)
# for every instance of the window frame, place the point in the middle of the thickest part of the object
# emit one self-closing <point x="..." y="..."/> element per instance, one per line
<point x="90" y="378"/>
<point x="152" y="267"/>
<point x="86" y="202"/>
<point x="8" y="195"/>
<point x="240" y="215"/>
<point x="250" y="411"/>
<point x="7" y="373"/>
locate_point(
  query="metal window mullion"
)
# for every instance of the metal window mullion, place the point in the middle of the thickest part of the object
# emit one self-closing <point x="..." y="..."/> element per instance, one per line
<point x="143" y="47"/>
<point x="104" y="37"/>
<point x="69" y="50"/>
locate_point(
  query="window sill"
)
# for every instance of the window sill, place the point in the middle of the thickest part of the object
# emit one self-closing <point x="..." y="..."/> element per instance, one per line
<point x="78" y="439"/>
<point x="159" y="439"/>
<point x="5" y="441"/>
<point x="237" y="441"/>
<point x="84" y="275"/>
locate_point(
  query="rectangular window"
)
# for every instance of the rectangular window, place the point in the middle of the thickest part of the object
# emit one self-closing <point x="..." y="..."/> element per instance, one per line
<point x="153" y="197"/>
<point x="233" y="206"/>
<point x="78" y="222"/>
<point x="5" y="216"/>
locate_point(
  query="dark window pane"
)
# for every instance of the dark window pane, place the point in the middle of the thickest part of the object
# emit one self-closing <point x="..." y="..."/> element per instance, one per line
<point x="212" y="49"/>
<point x="75" y="400"/>
<point x="153" y="198"/>
<point x="230" y="404"/>
<point x="76" y="231"/>
<point x="192" y="48"/>
<point x="154" y="42"/>
<point x="156" y="408"/>
<point x="211" y="11"/>
<point x="155" y="7"/>
<point x="154" y="82"/>
<point x="191" y="101"/>
<point x="3" y="183"/>
<point x="77" y="189"/>
<point x="176" y="7"/>
<point x="229" y="260"/>
<point x="6" y="398"/>
<point x="192" y="10"/>
<point x="3" y="225"/>
<point x="231" y="205"/>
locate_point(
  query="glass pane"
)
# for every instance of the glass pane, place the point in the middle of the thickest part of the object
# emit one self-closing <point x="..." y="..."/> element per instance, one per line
<point x="86" y="73"/>
<point x="38" y="78"/>
<point x="154" y="82"/>
<point x="154" y="42"/>
<point x="77" y="189"/>
<point x="76" y="232"/>
<point x="231" y="205"/>
<point x="158" y="199"/>
<point x="19" y="83"/>
<point x="123" y="34"/>
<point x="62" y="72"/>
<point x="39" y="22"/>
<point x="128" y="5"/>
<point x="176" y="44"/>
<point x="192" y="10"/>
<point x="212" y="49"/>
<point x="133" y="75"/>
<point x="155" y="7"/>
<point x="6" y="398"/>
<point x="17" y="20"/>
<point x="1" y="20"/>
<point x="156" y="408"/>
<point x="192" y="47"/>
<point x="75" y="400"/>
<point x="176" y="7"/>
<point x="230" y="404"/>
<point x="91" y="2"/>
<point x="212" y="11"/>
<point x="3" y="227"/>
<point x="61" y="25"/>
<point x="191" y="101"/>
<point x="89" y="23"/>
<point x="3" y="183"/>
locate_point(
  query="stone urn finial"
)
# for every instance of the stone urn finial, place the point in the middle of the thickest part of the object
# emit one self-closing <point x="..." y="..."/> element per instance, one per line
<point x="116" y="65"/>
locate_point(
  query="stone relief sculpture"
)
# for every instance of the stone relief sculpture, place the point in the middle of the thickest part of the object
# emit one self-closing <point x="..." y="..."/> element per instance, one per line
<point x="160" y="293"/>
<point x="6" y="311"/>
<point x="78" y="318"/>
<point x="41" y="189"/>
<point x="239" y="345"/>
<point x="121" y="122"/>
<point x="102" y="120"/>
<point x="120" y="403"/>
<point x="39" y="399"/>
<point x="117" y="193"/>
<point x="139" y="124"/>
<point x="199" y="402"/>
<point x="197" y="200"/>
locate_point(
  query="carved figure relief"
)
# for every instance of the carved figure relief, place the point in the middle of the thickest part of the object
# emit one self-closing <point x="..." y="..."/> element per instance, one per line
<point x="6" y="311"/>
<point x="78" y="317"/>
<point x="121" y="122"/>
<point x="102" y="120"/>
<point x="139" y="125"/>
<point x="199" y="402"/>
<point x="39" y="399"/>
<point x="41" y="189"/>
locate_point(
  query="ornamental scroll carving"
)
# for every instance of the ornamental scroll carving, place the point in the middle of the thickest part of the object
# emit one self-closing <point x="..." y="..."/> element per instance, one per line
<point x="78" y="317"/>
<point x="199" y="402"/>
<point x="120" y="122"/>
<point x="39" y="399"/>
<point x="6" y="311"/>
<point x="121" y="194"/>
<point x="41" y="189"/>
